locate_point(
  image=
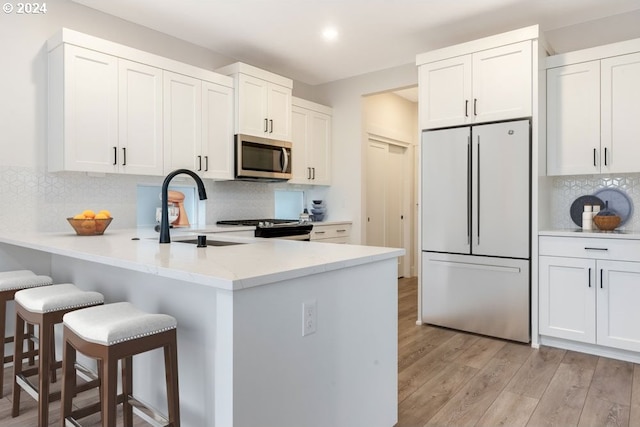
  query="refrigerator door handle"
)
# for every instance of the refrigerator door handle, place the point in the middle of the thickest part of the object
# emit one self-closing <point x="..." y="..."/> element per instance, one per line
<point x="468" y="190"/>
<point x="478" y="192"/>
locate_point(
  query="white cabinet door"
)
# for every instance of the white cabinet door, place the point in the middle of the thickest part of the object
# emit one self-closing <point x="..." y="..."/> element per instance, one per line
<point x="502" y="83"/>
<point x="216" y="158"/>
<point x="90" y="110"/>
<point x="618" y="295"/>
<point x="445" y="93"/>
<point x="252" y="106"/>
<point x="311" y="152"/>
<point x="182" y="121"/>
<point x="620" y="91"/>
<point x="573" y="119"/>
<point x="140" y="119"/>
<point x="279" y="112"/>
<point x="568" y="298"/>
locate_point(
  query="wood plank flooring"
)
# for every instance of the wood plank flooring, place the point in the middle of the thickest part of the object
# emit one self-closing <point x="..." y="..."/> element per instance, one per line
<point x="451" y="378"/>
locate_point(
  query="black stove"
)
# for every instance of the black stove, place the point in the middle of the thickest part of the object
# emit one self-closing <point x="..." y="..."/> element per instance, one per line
<point x="275" y="228"/>
<point x="256" y="222"/>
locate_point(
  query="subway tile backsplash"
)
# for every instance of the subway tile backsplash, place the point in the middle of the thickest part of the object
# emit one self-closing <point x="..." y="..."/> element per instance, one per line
<point x="568" y="188"/>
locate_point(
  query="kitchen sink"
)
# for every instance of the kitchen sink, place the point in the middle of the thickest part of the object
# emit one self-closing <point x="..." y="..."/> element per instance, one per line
<point x="209" y="242"/>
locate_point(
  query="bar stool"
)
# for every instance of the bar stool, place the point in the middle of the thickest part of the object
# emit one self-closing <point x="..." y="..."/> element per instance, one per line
<point x="10" y="283"/>
<point x="43" y="307"/>
<point x="110" y="333"/>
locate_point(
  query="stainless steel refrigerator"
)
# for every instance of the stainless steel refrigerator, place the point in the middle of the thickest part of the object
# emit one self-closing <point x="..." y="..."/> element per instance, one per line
<point x="476" y="227"/>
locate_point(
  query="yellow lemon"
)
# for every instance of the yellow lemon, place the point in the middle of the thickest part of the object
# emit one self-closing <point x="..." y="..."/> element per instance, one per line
<point x="100" y="215"/>
<point x="105" y="213"/>
<point x="89" y="213"/>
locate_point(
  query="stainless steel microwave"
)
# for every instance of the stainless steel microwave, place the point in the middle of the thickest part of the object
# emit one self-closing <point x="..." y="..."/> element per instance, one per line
<point x="262" y="158"/>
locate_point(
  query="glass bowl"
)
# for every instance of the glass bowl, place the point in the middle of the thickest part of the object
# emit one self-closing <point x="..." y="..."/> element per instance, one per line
<point x="89" y="227"/>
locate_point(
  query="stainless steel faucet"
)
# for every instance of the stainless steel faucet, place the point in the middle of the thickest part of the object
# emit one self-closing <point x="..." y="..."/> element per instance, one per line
<point x="164" y="222"/>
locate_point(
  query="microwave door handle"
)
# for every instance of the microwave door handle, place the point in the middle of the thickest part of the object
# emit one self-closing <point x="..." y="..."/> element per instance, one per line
<point x="286" y="160"/>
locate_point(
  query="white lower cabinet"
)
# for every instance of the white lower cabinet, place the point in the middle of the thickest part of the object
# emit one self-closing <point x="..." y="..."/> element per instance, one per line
<point x="589" y="296"/>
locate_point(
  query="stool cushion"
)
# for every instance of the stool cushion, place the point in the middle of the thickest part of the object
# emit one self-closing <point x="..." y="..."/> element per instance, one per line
<point x="22" y="279"/>
<point x="114" y="323"/>
<point x="56" y="297"/>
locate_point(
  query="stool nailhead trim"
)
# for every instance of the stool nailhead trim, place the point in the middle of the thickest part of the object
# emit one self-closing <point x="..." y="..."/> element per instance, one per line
<point x="141" y="335"/>
<point x="67" y="307"/>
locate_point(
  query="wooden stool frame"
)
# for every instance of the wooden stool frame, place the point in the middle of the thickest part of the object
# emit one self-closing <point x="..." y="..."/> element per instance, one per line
<point x="46" y="360"/>
<point x="5" y="297"/>
<point x="107" y="357"/>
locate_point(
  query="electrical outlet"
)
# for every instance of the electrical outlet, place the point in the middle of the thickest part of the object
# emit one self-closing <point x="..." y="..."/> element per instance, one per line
<point x="309" y="317"/>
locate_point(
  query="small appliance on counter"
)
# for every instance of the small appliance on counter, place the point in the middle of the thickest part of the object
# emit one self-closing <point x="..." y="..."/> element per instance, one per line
<point x="318" y="210"/>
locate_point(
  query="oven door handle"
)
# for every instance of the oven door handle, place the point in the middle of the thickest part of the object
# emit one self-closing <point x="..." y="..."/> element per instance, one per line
<point x="285" y="154"/>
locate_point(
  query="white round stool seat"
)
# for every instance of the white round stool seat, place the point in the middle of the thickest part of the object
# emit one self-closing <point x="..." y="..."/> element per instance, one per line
<point x="22" y="279"/>
<point x="56" y="297"/>
<point x="111" y="324"/>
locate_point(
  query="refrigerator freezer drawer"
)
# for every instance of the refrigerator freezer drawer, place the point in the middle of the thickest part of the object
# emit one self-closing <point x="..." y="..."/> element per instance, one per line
<point x="489" y="296"/>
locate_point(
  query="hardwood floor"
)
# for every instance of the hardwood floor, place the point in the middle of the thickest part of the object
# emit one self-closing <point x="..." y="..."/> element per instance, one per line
<point x="451" y="378"/>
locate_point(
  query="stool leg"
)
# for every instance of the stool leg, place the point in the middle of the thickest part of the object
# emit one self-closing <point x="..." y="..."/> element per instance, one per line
<point x="109" y="391"/>
<point x="52" y="370"/>
<point x="30" y="345"/>
<point x="68" y="380"/>
<point x="127" y="390"/>
<point x="44" y="356"/>
<point x="3" y="320"/>
<point x="171" y="375"/>
<point x="18" y="348"/>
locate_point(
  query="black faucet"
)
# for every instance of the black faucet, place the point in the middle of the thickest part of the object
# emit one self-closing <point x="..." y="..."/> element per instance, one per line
<point x="164" y="222"/>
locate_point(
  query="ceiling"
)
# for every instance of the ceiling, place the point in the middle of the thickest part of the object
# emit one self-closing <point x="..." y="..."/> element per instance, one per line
<point x="284" y="36"/>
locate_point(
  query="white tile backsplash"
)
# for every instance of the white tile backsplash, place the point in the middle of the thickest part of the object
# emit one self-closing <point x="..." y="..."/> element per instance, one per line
<point x="39" y="201"/>
<point x="568" y="188"/>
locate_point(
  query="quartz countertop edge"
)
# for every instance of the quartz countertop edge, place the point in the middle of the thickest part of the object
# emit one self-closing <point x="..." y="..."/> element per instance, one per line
<point x="597" y="234"/>
<point x="258" y="262"/>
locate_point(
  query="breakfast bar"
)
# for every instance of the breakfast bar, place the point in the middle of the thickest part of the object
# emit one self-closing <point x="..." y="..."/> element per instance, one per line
<point x="270" y="332"/>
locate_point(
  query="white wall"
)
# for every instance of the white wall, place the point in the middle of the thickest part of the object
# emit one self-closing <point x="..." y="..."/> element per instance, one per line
<point x="344" y="197"/>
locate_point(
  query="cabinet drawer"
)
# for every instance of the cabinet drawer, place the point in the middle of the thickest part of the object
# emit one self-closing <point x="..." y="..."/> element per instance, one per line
<point x="592" y="248"/>
<point x="337" y="231"/>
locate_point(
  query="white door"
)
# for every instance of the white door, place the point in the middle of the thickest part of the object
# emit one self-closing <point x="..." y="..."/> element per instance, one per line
<point x="386" y="188"/>
<point x="502" y="83"/>
<point x="568" y="298"/>
<point x="573" y="119"/>
<point x="182" y="121"/>
<point x="620" y="91"/>
<point x="618" y="293"/>
<point x="140" y="119"/>
<point x="446" y="192"/>
<point x="445" y="93"/>
<point x="500" y="189"/>
<point x="279" y="112"/>
<point x="90" y="110"/>
<point x="216" y="157"/>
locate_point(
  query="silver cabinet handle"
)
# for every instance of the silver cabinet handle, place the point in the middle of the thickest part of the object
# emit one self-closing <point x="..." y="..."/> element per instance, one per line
<point x="266" y="125"/>
<point x="199" y="163"/>
<point x="206" y="163"/>
<point x="589" y="276"/>
<point x="115" y="156"/>
<point x="270" y="126"/>
<point x="595" y="249"/>
<point x="340" y="231"/>
<point x="475" y="106"/>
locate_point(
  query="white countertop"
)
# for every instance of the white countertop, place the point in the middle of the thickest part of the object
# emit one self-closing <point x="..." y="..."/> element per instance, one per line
<point x="579" y="232"/>
<point x="258" y="262"/>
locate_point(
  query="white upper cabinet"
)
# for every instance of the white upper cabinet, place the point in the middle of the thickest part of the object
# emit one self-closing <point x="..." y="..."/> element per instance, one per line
<point x="83" y="110"/>
<point x="140" y="119"/>
<point x="591" y="110"/>
<point x="217" y="132"/>
<point x="263" y="102"/>
<point x="488" y="85"/>
<point x="182" y="121"/>
<point x="620" y="111"/>
<point x="573" y="119"/>
<point x="311" y="138"/>
<point x="114" y="109"/>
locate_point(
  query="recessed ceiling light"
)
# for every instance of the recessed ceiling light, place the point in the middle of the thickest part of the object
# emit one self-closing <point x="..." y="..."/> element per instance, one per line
<point x="330" y="34"/>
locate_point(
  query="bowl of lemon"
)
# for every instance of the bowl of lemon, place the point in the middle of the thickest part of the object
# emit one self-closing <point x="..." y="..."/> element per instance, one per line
<point x="90" y="223"/>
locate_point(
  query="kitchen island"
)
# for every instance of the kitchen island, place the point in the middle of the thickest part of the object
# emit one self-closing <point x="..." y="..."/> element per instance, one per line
<point x="243" y="359"/>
